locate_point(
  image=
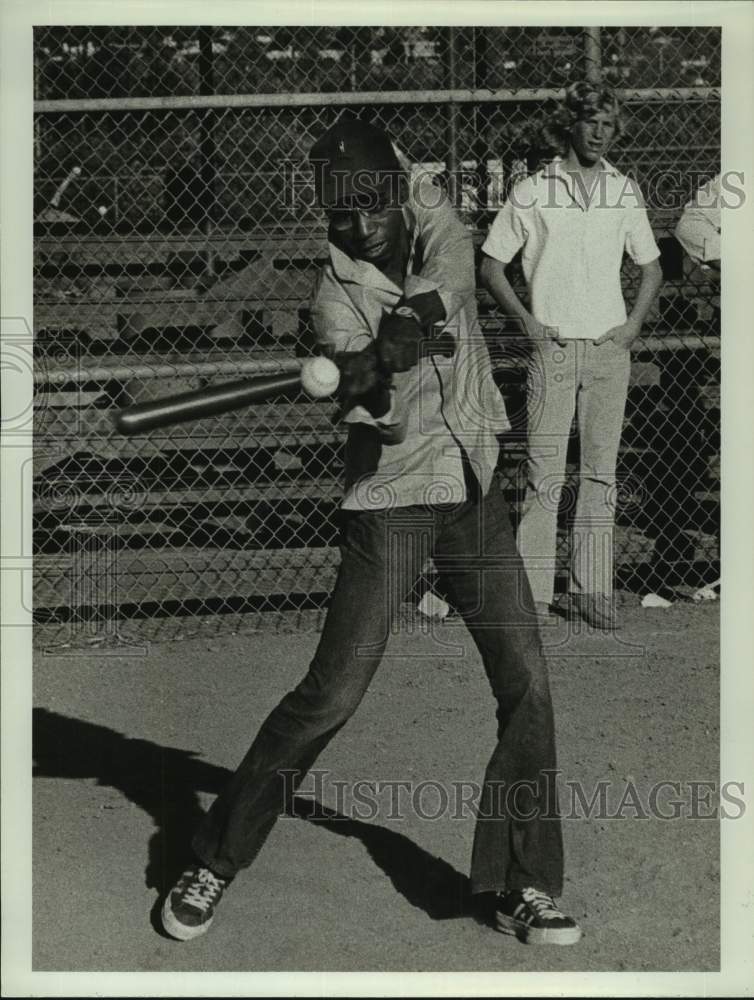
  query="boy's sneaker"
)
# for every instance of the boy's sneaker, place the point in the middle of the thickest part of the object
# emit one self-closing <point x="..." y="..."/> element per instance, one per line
<point x="190" y="905"/>
<point x="533" y="918"/>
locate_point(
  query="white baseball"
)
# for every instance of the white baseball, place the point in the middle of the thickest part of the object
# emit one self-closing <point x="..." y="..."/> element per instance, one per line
<point x="102" y="210"/>
<point x="319" y="377"/>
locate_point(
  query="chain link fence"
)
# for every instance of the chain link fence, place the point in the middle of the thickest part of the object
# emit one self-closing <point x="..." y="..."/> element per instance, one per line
<point x="176" y="242"/>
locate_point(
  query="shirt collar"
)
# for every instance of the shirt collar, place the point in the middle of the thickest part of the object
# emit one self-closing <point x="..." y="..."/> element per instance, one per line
<point x="554" y="168"/>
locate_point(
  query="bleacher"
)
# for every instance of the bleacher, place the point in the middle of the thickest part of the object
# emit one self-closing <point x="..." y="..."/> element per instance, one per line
<point x="239" y="512"/>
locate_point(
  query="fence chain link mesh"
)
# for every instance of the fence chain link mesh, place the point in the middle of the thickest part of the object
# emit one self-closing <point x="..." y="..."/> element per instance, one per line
<point x="176" y="246"/>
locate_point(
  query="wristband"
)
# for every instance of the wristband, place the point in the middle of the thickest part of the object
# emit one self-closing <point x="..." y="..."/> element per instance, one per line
<point x="409" y="312"/>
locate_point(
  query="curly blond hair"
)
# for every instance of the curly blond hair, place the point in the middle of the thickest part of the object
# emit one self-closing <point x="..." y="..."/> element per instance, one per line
<point x="582" y="99"/>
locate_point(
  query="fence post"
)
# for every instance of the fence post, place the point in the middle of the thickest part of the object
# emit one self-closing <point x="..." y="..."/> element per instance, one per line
<point x="452" y="132"/>
<point x="207" y="141"/>
<point x="593" y="54"/>
<point x="37" y="129"/>
<point x="481" y="124"/>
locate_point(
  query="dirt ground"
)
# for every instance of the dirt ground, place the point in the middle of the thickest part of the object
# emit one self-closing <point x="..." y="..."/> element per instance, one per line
<point x="129" y="748"/>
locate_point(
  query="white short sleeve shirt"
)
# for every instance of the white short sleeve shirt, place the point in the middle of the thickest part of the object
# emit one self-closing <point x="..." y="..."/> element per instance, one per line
<point x="698" y="229"/>
<point x="573" y="237"/>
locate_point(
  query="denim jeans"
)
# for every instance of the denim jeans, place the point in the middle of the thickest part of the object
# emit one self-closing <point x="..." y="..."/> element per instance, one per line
<point x="591" y="380"/>
<point x="382" y="553"/>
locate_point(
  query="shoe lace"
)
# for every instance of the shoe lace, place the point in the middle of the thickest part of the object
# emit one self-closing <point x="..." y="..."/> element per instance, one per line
<point x="204" y="889"/>
<point x="541" y="903"/>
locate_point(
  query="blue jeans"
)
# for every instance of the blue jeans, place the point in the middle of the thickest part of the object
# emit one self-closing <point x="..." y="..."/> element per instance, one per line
<point x="382" y="553"/>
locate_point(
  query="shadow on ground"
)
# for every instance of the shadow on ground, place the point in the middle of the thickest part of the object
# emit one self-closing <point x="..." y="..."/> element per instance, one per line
<point x="425" y="881"/>
<point x="162" y="781"/>
<point x="165" y="782"/>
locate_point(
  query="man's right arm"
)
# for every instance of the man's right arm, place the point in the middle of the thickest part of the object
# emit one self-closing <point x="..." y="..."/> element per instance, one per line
<point x="343" y="335"/>
<point x="506" y="237"/>
<point x="493" y="278"/>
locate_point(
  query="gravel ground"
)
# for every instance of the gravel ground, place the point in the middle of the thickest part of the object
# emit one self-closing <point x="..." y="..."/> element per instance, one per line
<point x="130" y="748"/>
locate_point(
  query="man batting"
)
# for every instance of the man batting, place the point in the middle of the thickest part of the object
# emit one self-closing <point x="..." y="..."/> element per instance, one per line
<point x="420" y="461"/>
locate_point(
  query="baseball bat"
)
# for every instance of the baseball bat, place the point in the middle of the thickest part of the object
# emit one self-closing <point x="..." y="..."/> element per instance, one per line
<point x="207" y="402"/>
<point x="73" y="173"/>
<point x="216" y="399"/>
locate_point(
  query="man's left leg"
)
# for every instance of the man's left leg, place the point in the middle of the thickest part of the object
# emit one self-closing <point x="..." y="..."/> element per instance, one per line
<point x="518" y="849"/>
<point x="600" y="410"/>
<point x="381" y="554"/>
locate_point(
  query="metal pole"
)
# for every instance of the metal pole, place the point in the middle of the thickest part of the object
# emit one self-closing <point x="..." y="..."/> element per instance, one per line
<point x="37" y="120"/>
<point x="204" y="369"/>
<point x="264" y="366"/>
<point x="452" y="132"/>
<point x="195" y="102"/>
<point x="207" y="142"/>
<point x="481" y="123"/>
<point x="593" y="54"/>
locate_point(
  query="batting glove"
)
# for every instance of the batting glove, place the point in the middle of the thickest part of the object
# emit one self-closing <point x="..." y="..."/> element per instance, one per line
<point x="398" y="341"/>
<point x="362" y="382"/>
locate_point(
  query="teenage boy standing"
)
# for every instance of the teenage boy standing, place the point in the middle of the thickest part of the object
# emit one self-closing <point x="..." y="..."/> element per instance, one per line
<point x="573" y="220"/>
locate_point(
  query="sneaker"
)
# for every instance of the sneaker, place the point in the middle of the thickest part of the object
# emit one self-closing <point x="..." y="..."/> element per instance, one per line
<point x="533" y="918"/>
<point x="190" y="905"/>
<point x="597" y="610"/>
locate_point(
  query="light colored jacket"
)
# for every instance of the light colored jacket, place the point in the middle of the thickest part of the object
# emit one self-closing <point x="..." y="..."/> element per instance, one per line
<point x="442" y="404"/>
